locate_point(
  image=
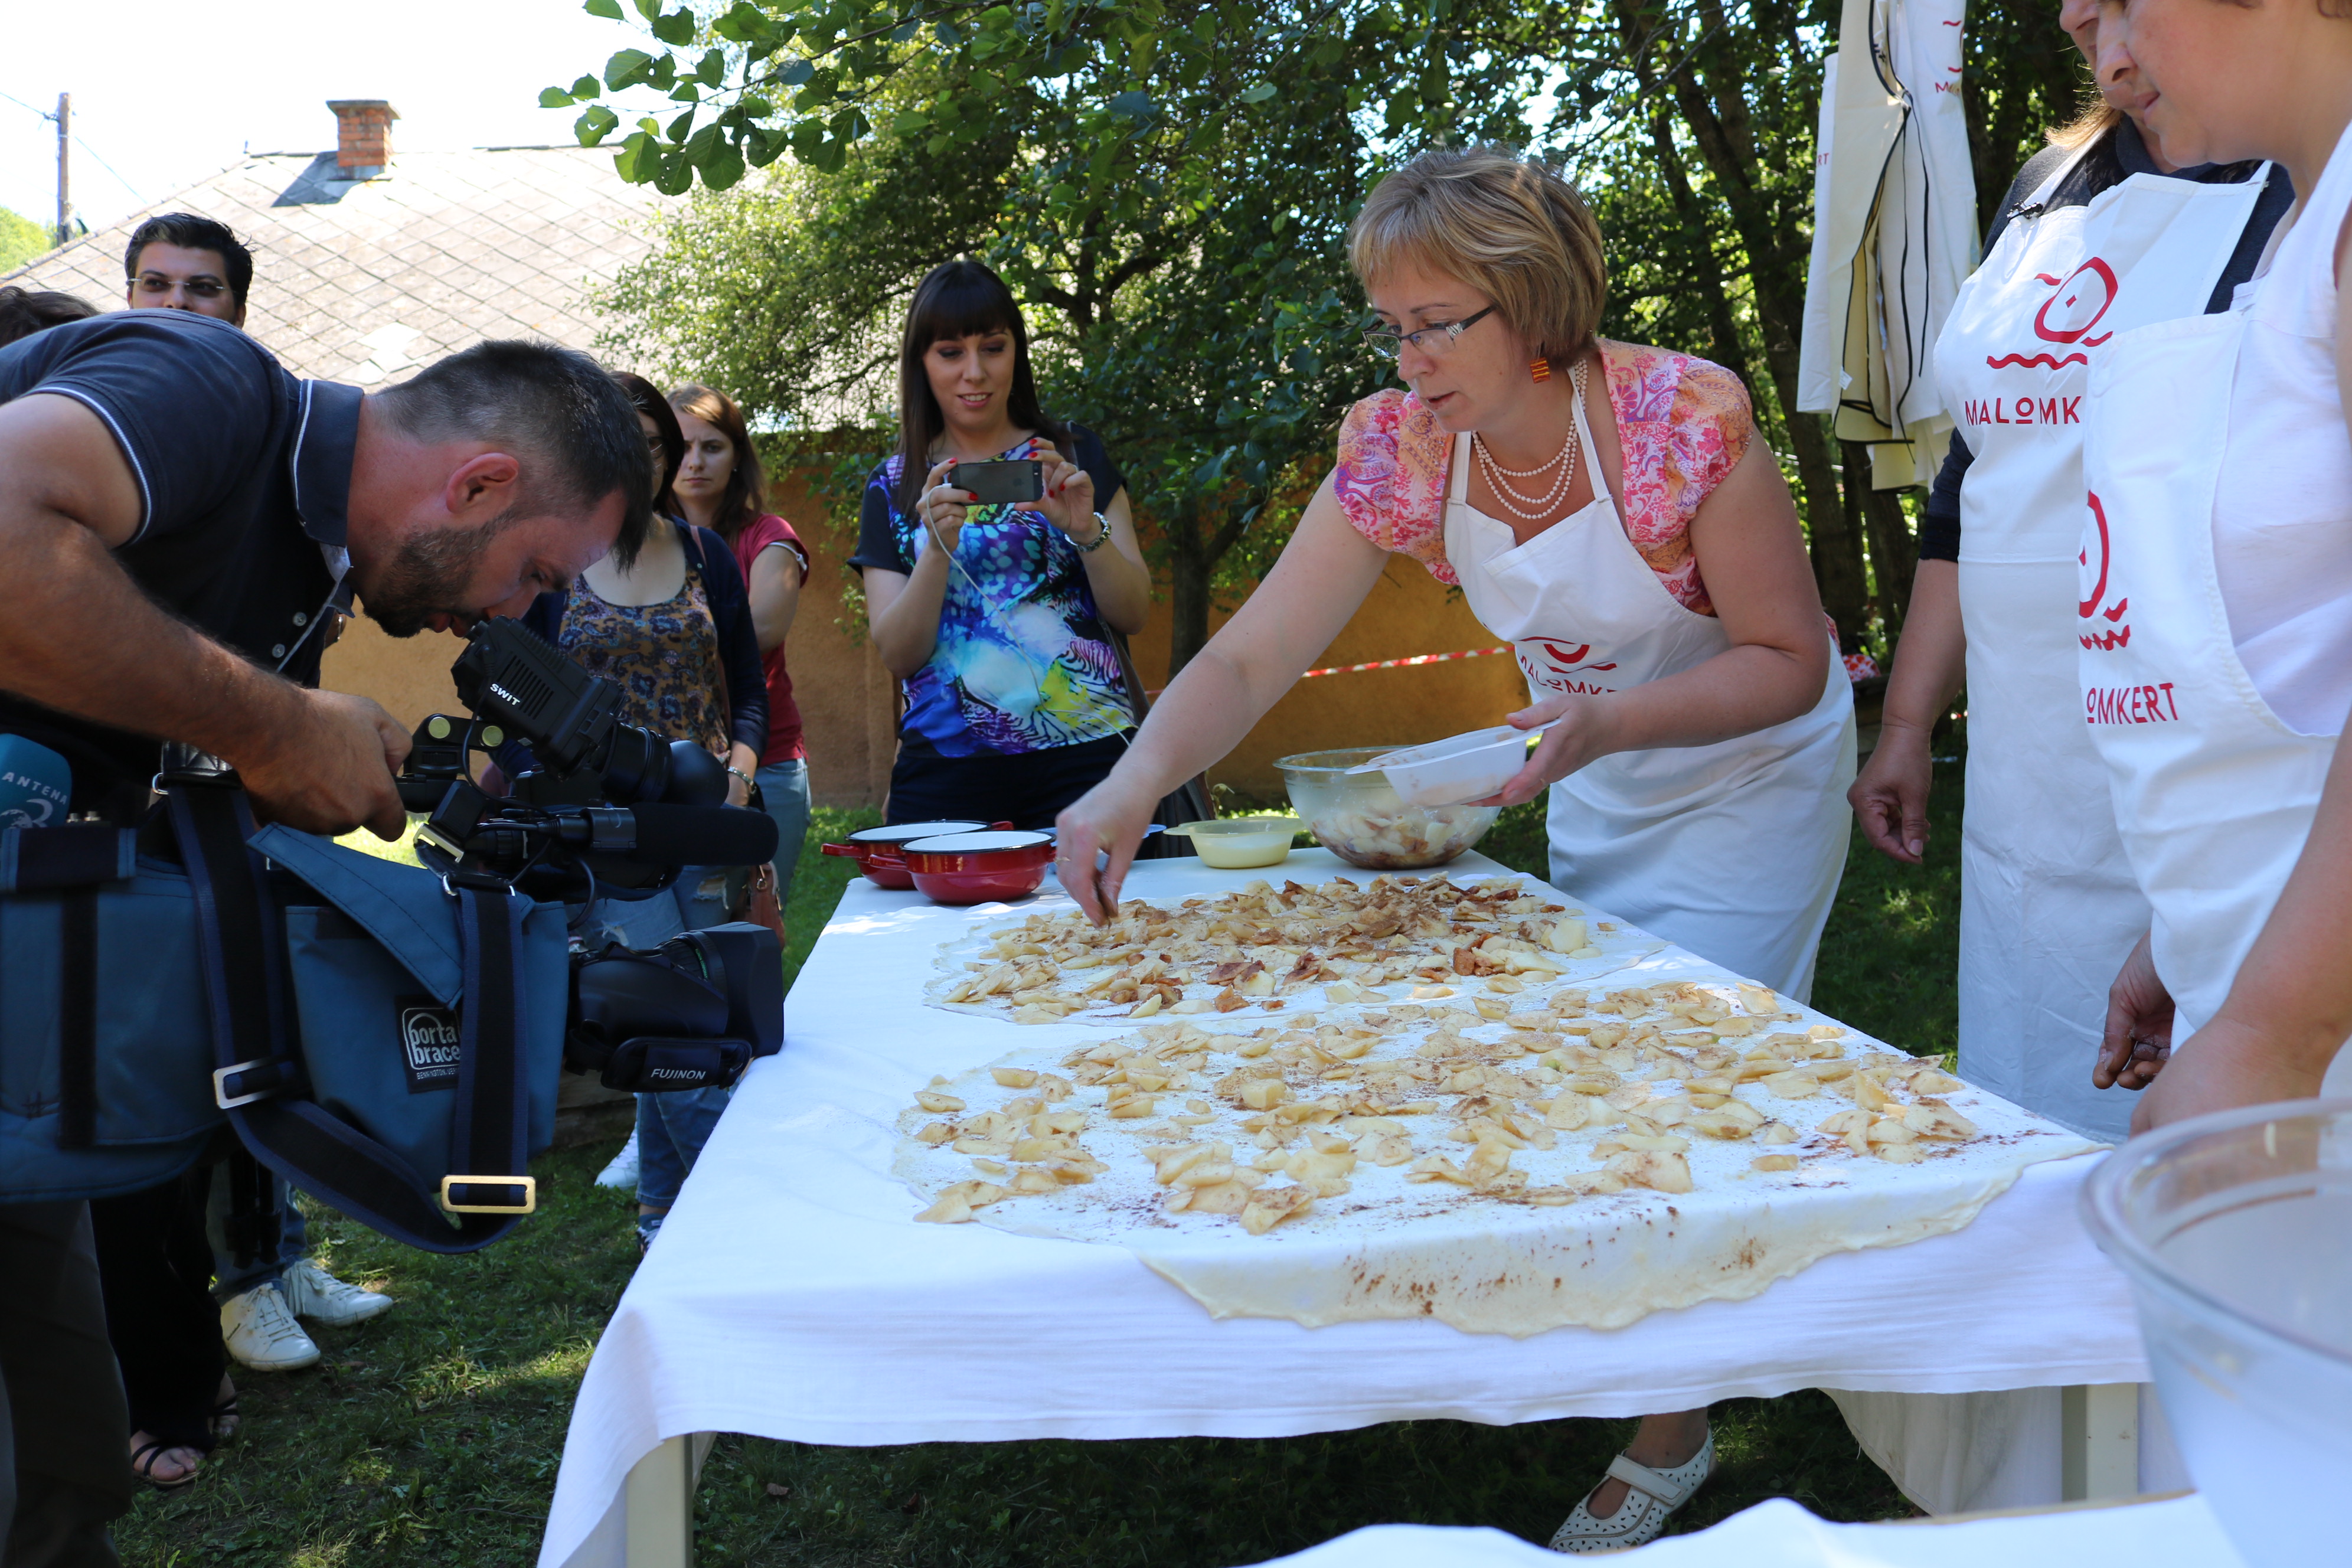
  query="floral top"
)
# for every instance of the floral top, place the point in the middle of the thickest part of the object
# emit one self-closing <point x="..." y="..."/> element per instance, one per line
<point x="1023" y="662"/>
<point x="665" y="659"/>
<point x="1683" y="424"/>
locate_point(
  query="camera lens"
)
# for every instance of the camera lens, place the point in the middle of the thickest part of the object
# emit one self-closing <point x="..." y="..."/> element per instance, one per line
<point x="636" y="766"/>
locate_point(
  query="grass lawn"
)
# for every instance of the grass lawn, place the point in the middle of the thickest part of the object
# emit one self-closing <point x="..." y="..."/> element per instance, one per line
<point x="432" y="1435"/>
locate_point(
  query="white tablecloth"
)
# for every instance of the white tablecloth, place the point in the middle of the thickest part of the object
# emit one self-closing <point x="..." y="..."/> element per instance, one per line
<point x="792" y="1295"/>
<point x="2179" y="1532"/>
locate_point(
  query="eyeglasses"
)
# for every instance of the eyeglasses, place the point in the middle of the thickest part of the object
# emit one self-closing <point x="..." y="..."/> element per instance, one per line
<point x="199" y="288"/>
<point x="1433" y="339"/>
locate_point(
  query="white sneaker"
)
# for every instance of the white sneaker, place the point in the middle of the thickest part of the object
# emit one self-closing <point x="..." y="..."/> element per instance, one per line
<point x="314" y="1293"/>
<point x="261" y="1333"/>
<point x="622" y="1171"/>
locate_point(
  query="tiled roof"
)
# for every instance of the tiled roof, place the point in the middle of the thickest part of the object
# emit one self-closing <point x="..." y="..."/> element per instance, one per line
<point x="361" y="280"/>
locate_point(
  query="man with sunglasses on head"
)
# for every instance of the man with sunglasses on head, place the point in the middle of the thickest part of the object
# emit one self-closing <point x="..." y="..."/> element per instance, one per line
<point x="179" y="261"/>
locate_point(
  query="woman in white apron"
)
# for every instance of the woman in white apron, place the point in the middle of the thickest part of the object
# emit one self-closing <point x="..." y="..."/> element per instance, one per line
<point x="2098" y="235"/>
<point x="2228" y="556"/>
<point x="1606" y="508"/>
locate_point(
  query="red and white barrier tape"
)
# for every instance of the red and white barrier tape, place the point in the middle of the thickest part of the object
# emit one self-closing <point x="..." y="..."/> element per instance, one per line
<point x="1401" y="663"/>
<point x="1386" y="664"/>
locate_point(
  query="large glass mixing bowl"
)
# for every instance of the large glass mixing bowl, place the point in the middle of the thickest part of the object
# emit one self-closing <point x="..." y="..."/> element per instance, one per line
<point x="2235" y="1230"/>
<point x="1362" y="820"/>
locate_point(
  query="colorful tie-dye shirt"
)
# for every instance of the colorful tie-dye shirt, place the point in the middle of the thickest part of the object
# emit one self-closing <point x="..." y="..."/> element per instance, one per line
<point x="1023" y="662"/>
<point x="1682" y="423"/>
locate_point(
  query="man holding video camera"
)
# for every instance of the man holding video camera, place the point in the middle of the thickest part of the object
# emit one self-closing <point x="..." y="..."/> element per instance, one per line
<point x="179" y="515"/>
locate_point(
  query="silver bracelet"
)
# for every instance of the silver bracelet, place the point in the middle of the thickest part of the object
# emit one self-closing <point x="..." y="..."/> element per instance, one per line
<point x="1099" y="539"/>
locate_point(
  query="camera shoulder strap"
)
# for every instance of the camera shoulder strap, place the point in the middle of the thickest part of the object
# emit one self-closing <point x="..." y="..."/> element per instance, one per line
<point x="243" y="945"/>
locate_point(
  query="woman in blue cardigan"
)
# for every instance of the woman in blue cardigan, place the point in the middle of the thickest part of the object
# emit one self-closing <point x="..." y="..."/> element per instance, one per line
<point x="675" y="633"/>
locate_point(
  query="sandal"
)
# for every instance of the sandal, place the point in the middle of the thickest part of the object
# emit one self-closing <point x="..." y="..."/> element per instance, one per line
<point x="142" y="1465"/>
<point x="1650" y="1496"/>
<point x="225" y="1418"/>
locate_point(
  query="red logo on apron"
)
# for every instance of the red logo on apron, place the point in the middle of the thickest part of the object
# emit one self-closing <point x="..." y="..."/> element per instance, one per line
<point x="1558" y="667"/>
<point x="2093" y="608"/>
<point x="2080" y="298"/>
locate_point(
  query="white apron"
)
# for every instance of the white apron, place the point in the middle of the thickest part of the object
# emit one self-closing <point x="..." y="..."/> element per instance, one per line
<point x="2213" y="792"/>
<point x="1732" y="850"/>
<point x="2049" y="908"/>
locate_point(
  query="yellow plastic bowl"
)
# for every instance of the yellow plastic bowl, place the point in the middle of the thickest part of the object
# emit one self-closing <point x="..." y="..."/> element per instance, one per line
<point x="1243" y="843"/>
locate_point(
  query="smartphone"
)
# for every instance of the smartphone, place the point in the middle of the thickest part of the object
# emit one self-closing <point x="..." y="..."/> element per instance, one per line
<point x="1001" y="483"/>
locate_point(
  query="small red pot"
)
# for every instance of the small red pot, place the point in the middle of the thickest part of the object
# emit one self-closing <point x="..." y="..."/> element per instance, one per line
<point x="974" y="867"/>
<point x="876" y="850"/>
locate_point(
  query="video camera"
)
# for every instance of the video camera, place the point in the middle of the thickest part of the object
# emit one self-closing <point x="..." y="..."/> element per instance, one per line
<point x="607" y="810"/>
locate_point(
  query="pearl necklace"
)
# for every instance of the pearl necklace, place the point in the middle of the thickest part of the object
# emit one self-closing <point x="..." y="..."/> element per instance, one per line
<point x="1529" y="508"/>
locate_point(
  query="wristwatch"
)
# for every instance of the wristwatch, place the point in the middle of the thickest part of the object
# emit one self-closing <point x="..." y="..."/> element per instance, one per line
<point x="1099" y="539"/>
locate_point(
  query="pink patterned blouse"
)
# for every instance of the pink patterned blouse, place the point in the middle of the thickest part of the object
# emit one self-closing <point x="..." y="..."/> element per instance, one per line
<point x="1683" y="424"/>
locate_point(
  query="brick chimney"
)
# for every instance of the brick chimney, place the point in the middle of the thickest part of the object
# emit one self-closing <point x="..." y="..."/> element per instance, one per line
<point x="362" y="136"/>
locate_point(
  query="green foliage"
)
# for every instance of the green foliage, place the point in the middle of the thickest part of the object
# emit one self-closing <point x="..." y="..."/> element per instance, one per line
<point x="782" y="291"/>
<point x="1170" y="180"/>
<point x="1168" y="193"/>
<point x="21" y="239"/>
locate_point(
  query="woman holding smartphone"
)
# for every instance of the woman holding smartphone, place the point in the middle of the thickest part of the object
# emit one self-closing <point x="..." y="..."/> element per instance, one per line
<point x="999" y="620"/>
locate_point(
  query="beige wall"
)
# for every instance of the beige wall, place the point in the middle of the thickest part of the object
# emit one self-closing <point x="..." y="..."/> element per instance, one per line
<point x="846" y="695"/>
<point x="1409" y="613"/>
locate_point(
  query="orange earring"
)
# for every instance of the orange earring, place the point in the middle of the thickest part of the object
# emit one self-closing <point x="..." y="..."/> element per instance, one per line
<point x="1540" y="369"/>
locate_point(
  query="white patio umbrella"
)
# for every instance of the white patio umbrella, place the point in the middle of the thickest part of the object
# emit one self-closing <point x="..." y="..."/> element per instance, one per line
<point x="1894" y="232"/>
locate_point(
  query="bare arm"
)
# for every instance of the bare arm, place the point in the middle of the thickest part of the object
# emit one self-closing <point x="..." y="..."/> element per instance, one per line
<point x="1115" y="569"/>
<point x="1751" y="555"/>
<point x="902" y="608"/>
<point x="76" y="635"/>
<point x="1326" y="573"/>
<point x="740" y="759"/>
<point x="1890" y="797"/>
<point x="775" y="595"/>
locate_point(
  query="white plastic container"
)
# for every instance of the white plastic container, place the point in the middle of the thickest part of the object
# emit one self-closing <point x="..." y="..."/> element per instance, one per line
<point x="1459" y="768"/>
<point x="1242" y="842"/>
<point x="2236" y="1232"/>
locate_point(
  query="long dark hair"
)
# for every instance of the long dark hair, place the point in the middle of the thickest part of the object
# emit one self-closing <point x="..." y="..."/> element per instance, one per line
<point x="648" y="401"/>
<point x="959" y="300"/>
<point x="747" y="483"/>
